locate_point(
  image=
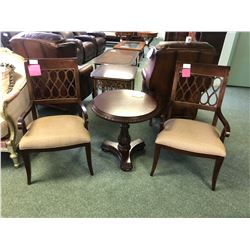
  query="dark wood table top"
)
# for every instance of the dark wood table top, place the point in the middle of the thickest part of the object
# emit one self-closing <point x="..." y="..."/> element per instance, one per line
<point x="125" y="106"/>
<point x="117" y="56"/>
<point x="118" y="72"/>
<point x="147" y="34"/>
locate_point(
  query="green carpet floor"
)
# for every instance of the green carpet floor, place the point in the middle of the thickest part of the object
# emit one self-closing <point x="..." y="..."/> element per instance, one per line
<point x="62" y="186"/>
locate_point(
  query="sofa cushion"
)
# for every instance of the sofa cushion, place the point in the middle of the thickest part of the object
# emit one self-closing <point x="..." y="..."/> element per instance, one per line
<point x="5" y="79"/>
<point x="4" y="127"/>
<point x="18" y="80"/>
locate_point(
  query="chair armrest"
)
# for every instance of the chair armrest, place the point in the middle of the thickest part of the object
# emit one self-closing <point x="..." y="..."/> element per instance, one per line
<point x="85" y="70"/>
<point x="226" y="130"/>
<point x="21" y="120"/>
<point x="83" y="113"/>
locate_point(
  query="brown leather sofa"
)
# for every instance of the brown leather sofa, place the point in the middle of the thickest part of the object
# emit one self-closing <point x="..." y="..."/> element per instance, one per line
<point x="49" y="45"/>
<point x="98" y="38"/>
<point x="159" y="73"/>
<point x="84" y="43"/>
<point x="43" y="45"/>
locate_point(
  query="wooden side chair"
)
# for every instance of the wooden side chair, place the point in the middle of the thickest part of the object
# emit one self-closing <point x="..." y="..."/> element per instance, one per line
<point x="58" y="84"/>
<point x="191" y="136"/>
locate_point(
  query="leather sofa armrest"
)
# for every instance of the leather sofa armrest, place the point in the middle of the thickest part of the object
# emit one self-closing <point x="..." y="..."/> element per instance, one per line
<point x="97" y="34"/>
<point x="76" y="41"/>
<point x="67" y="49"/>
<point x="86" y="38"/>
<point x="86" y="83"/>
<point x="79" y="49"/>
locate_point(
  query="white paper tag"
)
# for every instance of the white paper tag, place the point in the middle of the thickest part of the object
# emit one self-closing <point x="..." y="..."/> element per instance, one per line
<point x="32" y="61"/>
<point x="186" y="65"/>
<point x="186" y="70"/>
<point x="188" y="39"/>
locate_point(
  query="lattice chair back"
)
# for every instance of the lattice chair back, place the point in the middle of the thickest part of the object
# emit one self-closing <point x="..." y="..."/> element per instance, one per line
<point x="57" y="83"/>
<point x="204" y="89"/>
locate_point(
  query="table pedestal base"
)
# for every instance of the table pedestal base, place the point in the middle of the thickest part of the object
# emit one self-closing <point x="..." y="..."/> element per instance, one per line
<point x="124" y="155"/>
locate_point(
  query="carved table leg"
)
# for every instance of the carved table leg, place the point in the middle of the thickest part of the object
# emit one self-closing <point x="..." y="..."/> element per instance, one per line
<point x="124" y="148"/>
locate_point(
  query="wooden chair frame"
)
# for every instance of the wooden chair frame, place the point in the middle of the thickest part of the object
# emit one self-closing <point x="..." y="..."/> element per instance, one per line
<point x="57" y="85"/>
<point x="202" y="78"/>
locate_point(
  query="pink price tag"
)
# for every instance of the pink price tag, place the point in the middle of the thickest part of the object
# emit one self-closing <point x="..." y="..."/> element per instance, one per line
<point x="34" y="70"/>
<point x="186" y="72"/>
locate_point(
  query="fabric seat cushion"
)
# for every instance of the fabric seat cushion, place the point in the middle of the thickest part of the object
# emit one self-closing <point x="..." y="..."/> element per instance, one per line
<point x="192" y="136"/>
<point x="55" y="132"/>
<point x="4" y="127"/>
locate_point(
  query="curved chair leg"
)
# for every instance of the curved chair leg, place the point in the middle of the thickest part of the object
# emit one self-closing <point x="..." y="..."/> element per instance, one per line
<point x="14" y="158"/>
<point x="13" y="153"/>
<point x="156" y="158"/>
<point x="217" y="166"/>
<point x="26" y="160"/>
<point x="88" y="155"/>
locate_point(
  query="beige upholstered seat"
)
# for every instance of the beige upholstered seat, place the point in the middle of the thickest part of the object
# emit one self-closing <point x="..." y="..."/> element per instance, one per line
<point x="48" y="132"/>
<point x="192" y="136"/>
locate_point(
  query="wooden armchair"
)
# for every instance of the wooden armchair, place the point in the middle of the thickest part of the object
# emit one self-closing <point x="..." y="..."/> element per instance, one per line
<point x="158" y="75"/>
<point x="57" y="84"/>
<point x="191" y="136"/>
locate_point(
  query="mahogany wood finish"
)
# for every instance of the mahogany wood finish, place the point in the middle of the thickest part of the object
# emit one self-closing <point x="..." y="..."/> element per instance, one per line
<point x="109" y="77"/>
<point x="211" y="80"/>
<point x="158" y="75"/>
<point x="216" y="39"/>
<point x="146" y="36"/>
<point x="124" y="107"/>
<point x="58" y="84"/>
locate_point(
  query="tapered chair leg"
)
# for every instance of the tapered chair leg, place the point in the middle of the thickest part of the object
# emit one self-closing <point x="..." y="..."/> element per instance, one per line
<point x="156" y="158"/>
<point x="88" y="155"/>
<point x="217" y="167"/>
<point x="26" y="160"/>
